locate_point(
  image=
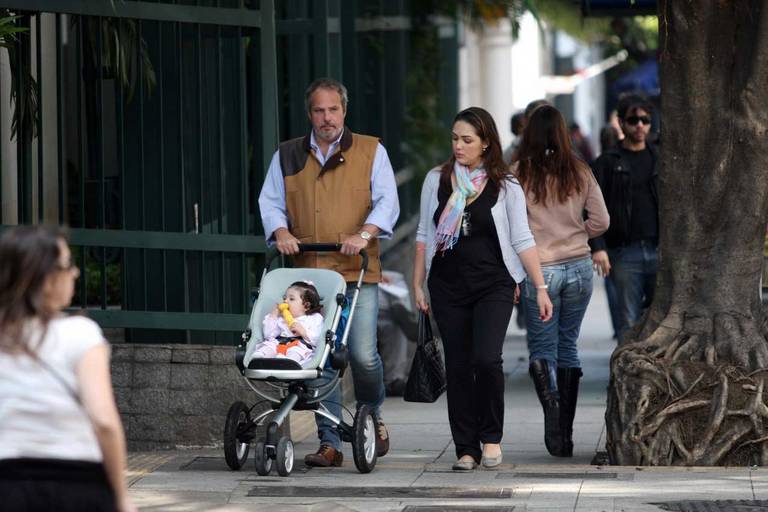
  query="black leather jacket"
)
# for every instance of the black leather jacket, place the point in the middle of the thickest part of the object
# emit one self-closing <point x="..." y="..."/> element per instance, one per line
<point x="613" y="175"/>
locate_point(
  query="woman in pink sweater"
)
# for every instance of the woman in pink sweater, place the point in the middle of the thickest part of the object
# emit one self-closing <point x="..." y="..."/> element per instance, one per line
<point x="559" y="189"/>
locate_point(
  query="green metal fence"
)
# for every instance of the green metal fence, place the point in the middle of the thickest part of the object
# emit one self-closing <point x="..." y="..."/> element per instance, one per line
<point x="154" y="126"/>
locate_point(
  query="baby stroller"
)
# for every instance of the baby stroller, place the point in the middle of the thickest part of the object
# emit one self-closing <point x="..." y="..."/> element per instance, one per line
<point x="294" y="386"/>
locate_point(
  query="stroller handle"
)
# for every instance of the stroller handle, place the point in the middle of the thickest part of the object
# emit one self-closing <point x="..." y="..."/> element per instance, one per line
<point x="319" y="247"/>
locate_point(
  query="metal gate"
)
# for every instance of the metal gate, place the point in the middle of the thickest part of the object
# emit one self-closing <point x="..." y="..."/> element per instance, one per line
<point x="153" y="127"/>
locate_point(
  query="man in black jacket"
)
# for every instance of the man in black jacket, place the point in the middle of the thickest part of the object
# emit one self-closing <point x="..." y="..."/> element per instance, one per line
<point x="628" y="178"/>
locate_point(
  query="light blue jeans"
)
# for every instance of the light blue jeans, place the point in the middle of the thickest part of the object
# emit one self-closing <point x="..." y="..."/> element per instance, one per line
<point x="365" y="363"/>
<point x="570" y="288"/>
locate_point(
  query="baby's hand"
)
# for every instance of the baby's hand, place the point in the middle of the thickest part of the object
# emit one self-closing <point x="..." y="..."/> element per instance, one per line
<point x="275" y="312"/>
<point x="299" y="330"/>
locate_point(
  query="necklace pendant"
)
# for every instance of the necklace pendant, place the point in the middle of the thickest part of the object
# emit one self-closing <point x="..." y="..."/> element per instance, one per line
<point x="466" y="225"/>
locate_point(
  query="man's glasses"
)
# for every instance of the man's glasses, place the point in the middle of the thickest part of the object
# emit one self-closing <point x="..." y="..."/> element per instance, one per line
<point x="633" y="120"/>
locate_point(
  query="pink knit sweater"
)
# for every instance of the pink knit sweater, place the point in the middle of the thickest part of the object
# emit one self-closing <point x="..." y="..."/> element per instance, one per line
<point x="560" y="231"/>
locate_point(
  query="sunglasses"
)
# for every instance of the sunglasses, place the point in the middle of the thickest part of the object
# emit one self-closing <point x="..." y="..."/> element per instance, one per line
<point x="633" y="120"/>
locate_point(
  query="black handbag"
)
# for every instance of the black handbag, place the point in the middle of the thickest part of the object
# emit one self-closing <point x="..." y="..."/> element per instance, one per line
<point x="426" y="381"/>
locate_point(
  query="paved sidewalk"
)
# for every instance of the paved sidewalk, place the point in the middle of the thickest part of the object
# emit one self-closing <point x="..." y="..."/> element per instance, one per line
<point x="416" y="474"/>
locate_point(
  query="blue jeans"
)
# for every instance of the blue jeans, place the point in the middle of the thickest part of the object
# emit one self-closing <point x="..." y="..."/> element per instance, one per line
<point x="634" y="270"/>
<point x="365" y="363"/>
<point x="570" y="288"/>
<point x="613" y="303"/>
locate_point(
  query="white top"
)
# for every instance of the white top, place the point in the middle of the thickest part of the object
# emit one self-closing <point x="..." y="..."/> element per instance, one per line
<point x="274" y="327"/>
<point x="509" y="217"/>
<point x="38" y="416"/>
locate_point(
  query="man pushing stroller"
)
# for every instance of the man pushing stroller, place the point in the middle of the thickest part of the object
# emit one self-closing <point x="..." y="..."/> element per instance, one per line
<point x="335" y="186"/>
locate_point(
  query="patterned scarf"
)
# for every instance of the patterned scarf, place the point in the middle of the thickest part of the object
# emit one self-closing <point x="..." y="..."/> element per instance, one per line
<point x="468" y="184"/>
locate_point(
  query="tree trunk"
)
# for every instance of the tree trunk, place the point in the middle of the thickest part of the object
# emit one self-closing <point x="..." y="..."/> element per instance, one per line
<point x="688" y="385"/>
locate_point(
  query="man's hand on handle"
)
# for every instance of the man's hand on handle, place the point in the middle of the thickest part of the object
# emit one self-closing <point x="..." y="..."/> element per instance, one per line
<point x="353" y="245"/>
<point x="285" y="242"/>
<point x="288" y="244"/>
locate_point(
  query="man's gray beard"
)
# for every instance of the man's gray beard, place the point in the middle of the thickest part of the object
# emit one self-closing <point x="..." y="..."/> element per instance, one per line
<point x="329" y="135"/>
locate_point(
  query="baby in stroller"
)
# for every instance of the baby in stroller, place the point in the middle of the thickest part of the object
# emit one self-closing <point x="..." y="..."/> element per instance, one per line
<point x="293" y="328"/>
<point x="288" y="384"/>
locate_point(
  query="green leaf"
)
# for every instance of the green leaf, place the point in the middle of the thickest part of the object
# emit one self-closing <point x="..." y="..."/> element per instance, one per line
<point x="124" y="53"/>
<point x="23" y="85"/>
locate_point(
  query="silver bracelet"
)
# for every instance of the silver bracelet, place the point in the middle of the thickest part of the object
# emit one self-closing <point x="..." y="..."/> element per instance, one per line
<point x="542" y="287"/>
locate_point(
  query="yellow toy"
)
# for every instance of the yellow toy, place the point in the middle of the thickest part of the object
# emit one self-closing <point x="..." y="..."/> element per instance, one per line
<point x="286" y="313"/>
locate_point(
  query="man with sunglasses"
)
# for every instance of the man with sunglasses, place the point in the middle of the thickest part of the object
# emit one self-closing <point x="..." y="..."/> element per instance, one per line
<point x="628" y="177"/>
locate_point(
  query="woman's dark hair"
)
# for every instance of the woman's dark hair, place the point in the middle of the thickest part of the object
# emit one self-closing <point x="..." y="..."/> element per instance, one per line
<point x="28" y="255"/>
<point x="309" y="296"/>
<point x="493" y="161"/>
<point x="517" y="123"/>
<point x="546" y="160"/>
<point x="530" y="107"/>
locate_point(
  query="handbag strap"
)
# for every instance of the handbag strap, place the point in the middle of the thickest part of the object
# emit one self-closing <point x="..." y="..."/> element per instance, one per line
<point x="425" y="329"/>
<point x="53" y="373"/>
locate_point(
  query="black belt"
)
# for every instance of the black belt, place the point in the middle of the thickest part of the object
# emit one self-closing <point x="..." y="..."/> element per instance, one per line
<point x="284" y="340"/>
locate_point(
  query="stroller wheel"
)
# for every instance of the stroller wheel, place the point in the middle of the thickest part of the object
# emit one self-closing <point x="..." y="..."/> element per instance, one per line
<point x="284" y="459"/>
<point x="364" y="441"/>
<point x="235" y="450"/>
<point x="261" y="458"/>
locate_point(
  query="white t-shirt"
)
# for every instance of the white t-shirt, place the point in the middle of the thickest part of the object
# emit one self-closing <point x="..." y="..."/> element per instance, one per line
<point x="38" y="416"/>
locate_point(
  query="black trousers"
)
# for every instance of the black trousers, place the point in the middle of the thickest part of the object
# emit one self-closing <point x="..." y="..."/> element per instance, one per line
<point x="473" y="337"/>
<point x="42" y="485"/>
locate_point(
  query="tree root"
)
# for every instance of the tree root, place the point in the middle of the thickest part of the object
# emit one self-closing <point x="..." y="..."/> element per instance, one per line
<point x="693" y="395"/>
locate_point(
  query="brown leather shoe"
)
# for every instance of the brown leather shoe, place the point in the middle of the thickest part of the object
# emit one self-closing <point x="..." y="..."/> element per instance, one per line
<point x="382" y="438"/>
<point x="324" y="457"/>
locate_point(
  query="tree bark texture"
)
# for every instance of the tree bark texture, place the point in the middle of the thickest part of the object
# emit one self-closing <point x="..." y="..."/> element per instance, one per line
<point x="688" y="386"/>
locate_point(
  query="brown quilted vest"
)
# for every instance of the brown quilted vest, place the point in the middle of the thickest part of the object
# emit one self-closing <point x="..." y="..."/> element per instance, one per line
<point x="327" y="204"/>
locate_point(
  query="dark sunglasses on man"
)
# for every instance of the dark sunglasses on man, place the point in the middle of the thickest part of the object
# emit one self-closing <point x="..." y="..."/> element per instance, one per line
<point x="634" y="120"/>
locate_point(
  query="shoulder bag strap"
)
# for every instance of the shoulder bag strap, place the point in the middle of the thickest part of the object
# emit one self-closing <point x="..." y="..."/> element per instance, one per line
<point x="53" y="373"/>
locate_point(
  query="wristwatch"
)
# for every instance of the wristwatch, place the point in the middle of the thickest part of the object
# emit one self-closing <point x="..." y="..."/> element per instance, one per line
<point x="365" y="235"/>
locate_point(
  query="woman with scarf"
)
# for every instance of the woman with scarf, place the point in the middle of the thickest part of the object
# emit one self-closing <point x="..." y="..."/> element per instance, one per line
<point x="474" y="244"/>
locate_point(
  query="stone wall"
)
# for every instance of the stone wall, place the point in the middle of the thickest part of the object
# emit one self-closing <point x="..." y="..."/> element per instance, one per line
<point x="175" y="396"/>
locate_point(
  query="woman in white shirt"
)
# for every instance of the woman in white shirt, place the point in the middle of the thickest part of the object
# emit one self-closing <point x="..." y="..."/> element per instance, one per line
<point x="62" y="445"/>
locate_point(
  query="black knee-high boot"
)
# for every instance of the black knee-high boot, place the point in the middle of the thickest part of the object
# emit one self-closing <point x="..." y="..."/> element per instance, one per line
<point x="568" y="387"/>
<point x="544" y="379"/>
